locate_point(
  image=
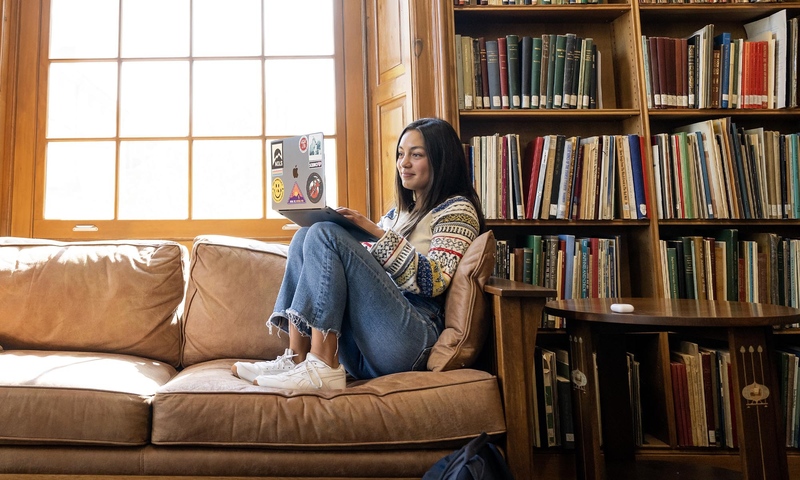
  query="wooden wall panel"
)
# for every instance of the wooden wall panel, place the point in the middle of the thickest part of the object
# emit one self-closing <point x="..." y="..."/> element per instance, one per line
<point x="389" y="91"/>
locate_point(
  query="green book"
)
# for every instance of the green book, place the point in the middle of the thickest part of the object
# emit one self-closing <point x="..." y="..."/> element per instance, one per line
<point x="672" y="270"/>
<point x="586" y="73"/>
<point x="514" y="87"/>
<point x="534" y="242"/>
<point x="536" y="70"/>
<point x="551" y="70"/>
<point x="567" y="81"/>
<point x="558" y="74"/>
<point x="527" y="265"/>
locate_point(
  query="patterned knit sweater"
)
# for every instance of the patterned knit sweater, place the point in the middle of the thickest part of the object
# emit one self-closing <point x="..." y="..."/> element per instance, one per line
<point x="424" y="262"/>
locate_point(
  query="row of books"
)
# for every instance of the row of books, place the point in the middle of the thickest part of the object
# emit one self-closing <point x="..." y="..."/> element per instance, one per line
<point x="711" y="1"/>
<point x="703" y="396"/>
<point x="576" y="267"/>
<point x="497" y="3"/>
<point x="510" y="72"/>
<point x="559" y="177"/>
<point x="714" y="70"/>
<point x="552" y="402"/>
<point x="552" y="399"/>
<point x="762" y="268"/>
<point x="789" y="377"/>
<point x="712" y="169"/>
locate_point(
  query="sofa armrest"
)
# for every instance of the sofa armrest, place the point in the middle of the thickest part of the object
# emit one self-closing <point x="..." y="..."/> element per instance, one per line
<point x="517" y="309"/>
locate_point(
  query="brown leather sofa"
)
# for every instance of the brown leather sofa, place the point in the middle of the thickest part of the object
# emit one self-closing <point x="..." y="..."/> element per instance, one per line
<point x="116" y="361"/>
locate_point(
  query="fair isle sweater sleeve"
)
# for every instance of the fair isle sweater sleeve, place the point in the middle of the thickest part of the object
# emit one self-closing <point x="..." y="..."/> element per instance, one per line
<point x="454" y="225"/>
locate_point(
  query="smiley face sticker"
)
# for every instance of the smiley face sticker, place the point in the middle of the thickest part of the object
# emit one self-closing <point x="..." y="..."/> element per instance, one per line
<point x="277" y="190"/>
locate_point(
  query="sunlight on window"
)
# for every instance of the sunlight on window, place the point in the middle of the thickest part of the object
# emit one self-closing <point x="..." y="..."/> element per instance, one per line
<point x="82" y="100"/>
<point x="226" y="179"/>
<point x="227" y="97"/>
<point x="234" y="30"/>
<point x="154" y="99"/>
<point x="307" y="30"/>
<point x="155" y="28"/>
<point x="80" y="181"/>
<point x="84" y="29"/>
<point x="300" y="97"/>
<point x="153" y="180"/>
<point x="187" y="93"/>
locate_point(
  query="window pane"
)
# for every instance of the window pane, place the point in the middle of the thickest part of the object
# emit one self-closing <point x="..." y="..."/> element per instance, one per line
<point x="226" y="28"/>
<point x="300" y="97"/>
<point x="154" y="180"/>
<point x="84" y="28"/>
<point x="298" y="28"/>
<point x="79" y="181"/>
<point x="82" y="100"/>
<point x="154" y="99"/>
<point x="226" y="179"/>
<point x="227" y="97"/>
<point x="330" y="189"/>
<point x="155" y="28"/>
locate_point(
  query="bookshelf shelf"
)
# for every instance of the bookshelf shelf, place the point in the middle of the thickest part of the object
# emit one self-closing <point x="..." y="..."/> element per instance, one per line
<point x="730" y="12"/>
<point x="617" y="29"/>
<point x="544" y="114"/>
<point x="541" y="13"/>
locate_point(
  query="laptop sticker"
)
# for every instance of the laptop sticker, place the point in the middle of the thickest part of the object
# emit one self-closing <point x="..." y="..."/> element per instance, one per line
<point x="303" y="144"/>
<point x="277" y="158"/>
<point x="315" y="150"/>
<point x="314" y="187"/>
<point x="277" y="190"/>
<point x="296" y="196"/>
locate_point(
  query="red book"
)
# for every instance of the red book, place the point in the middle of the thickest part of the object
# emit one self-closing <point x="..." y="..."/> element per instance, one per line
<point x="708" y="393"/>
<point x="684" y="48"/>
<point x="676" y="402"/>
<point x="734" y="407"/>
<point x="502" y="53"/>
<point x="686" y="415"/>
<point x="652" y="50"/>
<point x="533" y="155"/>
<point x="484" y="73"/>
<point x="764" y="69"/>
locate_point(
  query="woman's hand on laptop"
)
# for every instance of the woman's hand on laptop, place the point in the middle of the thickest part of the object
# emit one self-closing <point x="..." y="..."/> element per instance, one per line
<point x="361" y="221"/>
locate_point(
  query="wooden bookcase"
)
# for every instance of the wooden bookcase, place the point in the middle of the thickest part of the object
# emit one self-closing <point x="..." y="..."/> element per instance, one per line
<point x="616" y="29"/>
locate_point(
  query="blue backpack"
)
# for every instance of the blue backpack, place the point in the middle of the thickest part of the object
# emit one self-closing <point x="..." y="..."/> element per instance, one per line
<point x="477" y="460"/>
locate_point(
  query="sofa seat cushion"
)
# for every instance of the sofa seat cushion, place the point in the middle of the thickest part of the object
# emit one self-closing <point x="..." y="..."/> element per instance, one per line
<point x="77" y="398"/>
<point x="206" y="405"/>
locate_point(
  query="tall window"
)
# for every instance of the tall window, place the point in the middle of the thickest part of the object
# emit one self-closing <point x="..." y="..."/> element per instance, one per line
<point x="162" y="110"/>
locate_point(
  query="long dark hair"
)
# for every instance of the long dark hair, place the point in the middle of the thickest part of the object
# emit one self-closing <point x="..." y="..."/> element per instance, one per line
<point x="449" y="172"/>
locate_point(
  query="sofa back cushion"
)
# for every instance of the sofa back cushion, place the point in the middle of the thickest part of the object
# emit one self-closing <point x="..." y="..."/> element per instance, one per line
<point x="233" y="283"/>
<point x="103" y="296"/>
<point x="466" y="316"/>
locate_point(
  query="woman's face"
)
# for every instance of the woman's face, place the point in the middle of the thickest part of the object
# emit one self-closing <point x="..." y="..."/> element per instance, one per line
<point x="412" y="163"/>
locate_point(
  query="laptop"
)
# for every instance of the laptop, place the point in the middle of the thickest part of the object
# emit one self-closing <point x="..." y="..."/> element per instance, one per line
<point x="297" y="181"/>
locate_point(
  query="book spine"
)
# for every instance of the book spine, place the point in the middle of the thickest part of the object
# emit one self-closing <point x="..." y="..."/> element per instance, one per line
<point x="502" y="49"/>
<point x="493" y="65"/>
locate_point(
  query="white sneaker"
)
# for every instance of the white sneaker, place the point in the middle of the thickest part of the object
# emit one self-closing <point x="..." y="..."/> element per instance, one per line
<point x="250" y="370"/>
<point x="313" y="374"/>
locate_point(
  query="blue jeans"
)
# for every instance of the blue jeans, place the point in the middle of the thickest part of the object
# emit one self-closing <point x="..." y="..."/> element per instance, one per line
<point x="333" y="284"/>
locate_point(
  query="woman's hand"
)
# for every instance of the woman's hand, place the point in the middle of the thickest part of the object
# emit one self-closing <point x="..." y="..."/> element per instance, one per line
<point x="361" y="221"/>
